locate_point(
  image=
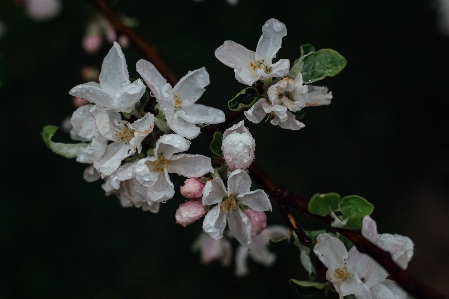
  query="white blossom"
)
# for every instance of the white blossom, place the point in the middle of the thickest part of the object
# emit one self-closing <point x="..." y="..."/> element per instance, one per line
<point x="115" y="91"/>
<point x="229" y="204"/>
<point x="238" y="147"/>
<point x="258" y="249"/>
<point x="153" y="171"/>
<point x="212" y="250"/>
<point x="42" y="10"/>
<point x="251" y="66"/>
<point x="178" y="103"/>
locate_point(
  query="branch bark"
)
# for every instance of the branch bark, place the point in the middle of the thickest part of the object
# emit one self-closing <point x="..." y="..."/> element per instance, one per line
<point x="281" y="197"/>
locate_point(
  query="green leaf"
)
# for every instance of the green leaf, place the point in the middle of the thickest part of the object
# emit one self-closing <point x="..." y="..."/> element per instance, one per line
<point x="321" y="64"/>
<point x="306" y="262"/>
<point x="63" y="149"/>
<point x="353" y="208"/>
<point x="306" y="49"/>
<point x="244" y="99"/>
<point x="299" y="114"/>
<point x="313" y="234"/>
<point x="324" y="204"/>
<point x="308" y="288"/>
<point x="215" y="145"/>
<point x="279" y="241"/>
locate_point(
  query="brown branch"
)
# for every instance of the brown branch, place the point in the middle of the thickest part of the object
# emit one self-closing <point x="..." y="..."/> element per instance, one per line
<point x="281" y="197"/>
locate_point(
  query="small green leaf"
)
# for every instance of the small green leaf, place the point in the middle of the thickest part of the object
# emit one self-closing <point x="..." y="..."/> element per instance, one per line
<point x="66" y="150"/>
<point x="353" y="208"/>
<point x="215" y="145"/>
<point x="299" y="114"/>
<point x="308" y="288"/>
<point x="244" y="99"/>
<point x="324" y="204"/>
<point x="306" y="49"/>
<point x="321" y="64"/>
<point x="313" y="234"/>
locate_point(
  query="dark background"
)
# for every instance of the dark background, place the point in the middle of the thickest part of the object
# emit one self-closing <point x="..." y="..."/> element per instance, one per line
<point x="384" y="137"/>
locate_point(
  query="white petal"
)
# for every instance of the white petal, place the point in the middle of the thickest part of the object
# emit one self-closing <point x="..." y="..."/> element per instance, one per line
<point x="279" y="69"/>
<point x="182" y="127"/>
<point x="257" y="200"/>
<point x="153" y="207"/>
<point x="240" y="226"/>
<point x="256" y="113"/>
<point x="93" y="93"/>
<point x="395" y="289"/>
<point x="124" y="98"/>
<point x="191" y="166"/>
<point x="291" y="123"/>
<point x="171" y="144"/>
<point x="239" y="182"/>
<point x="375" y="274"/>
<point x="114" y="72"/>
<point x="91" y="175"/>
<point x="360" y="263"/>
<point x="331" y="251"/>
<point x="214" y="223"/>
<point x="380" y="291"/>
<point x="151" y="76"/>
<point x="93" y="152"/>
<point x="353" y="285"/>
<point x="163" y="189"/>
<point x="83" y="122"/>
<point x="213" y="192"/>
<point x="234" y="55"/>
<point x="400" y="247"/>
<point x="318" y="95"/>
<point x="270" y="42"/>
<point x="369" y="229"/>
<point x="191" y="86"/>
<point x="166" y="100"/>
<point x="237" y="128"/>
<point x="142" y="127"/>
<point x="115" y="153"/>
<point x="241" y="256"/>
<point x="108" y="122"/>
<point x="200" y="114"/>
<point x="123" y="173"/>
<point x="263" y="256"/>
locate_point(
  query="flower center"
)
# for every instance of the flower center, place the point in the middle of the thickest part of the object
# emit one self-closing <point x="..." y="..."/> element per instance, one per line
<point x="229" y="204"/>
<point x="342" y="274"/>
<point x="161" y="163"/>
<point x="260" y="65"/>
<point x="126" y="134"/>
<point x="178" y="102"/>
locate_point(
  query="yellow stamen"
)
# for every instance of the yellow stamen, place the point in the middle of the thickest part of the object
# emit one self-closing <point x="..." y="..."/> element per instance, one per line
<point x="229" y="205"/>
<point x="342" y="274"/>
<point x="178" y="102"/>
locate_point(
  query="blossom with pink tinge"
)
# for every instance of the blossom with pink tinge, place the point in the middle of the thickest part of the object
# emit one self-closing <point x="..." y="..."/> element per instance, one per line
<point x="212" y="250"/>
<point x="238" y="147"/>
<point x="42" y="10"/>
<point x="258" y="221"/>
<point x="92" y="42"/>
<point x="78" y="102"/>
<point x="189" y="212"/>
<point x="193" y="188"/>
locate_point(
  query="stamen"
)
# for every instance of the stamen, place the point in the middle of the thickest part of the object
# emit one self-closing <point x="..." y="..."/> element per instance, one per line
<point x="178" y="102"/>
<point x="229" y="205"/>
<point x="161" y="163"/>
<point x="342" y="274"/>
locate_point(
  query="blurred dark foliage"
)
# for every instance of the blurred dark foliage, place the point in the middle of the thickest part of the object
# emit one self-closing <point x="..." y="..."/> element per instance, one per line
<point x="384" y="137"/>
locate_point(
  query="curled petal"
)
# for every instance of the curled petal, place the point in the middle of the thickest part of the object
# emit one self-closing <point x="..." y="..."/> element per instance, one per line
<point x="91" y="175"/>
<point x="182" y="127"/>
<point x="93" y="152"/>
<point x="171" y="144"/>
<point x="214" y="223"/>
<point x="114" y="72"/>
<point x="191" y="87"/>
<point x="190" y="165"/>
<point x="256" y="200"/>
<point x="213" y="192"/>
<point x="151" y="76"/>
<point x="331" y="251"/>
<point x="318" y="96"/>
<point x="83" y="122"/>
<point x="239" y="182"/>
<point x="256" y="113"/>
<point x="144" y="174"/>
<point x="291" y="123"/>
<point x="163" y="189"/>
<point x="369" y="229"/>
<point x="115" y="153"/>
<point x="240" y="226"/>
<point x="270" y="42"/>
<point x="200" y="114"/>
<point x="241" y="257"/>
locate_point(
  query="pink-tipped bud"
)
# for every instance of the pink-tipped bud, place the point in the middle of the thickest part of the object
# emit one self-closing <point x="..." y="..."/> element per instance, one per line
<point x="78" y="102"/>
<point x="92" y="42"/>
<point x="123" y="41"/>
<point x="42" y="10"/>
<point x="111" y="35"/>
<point x="258" y="221"/>
<point x="193" y="188"/>
<point x="238" y="147"/>
<point x="189" y="212"/>
<point x="89" y="73"/>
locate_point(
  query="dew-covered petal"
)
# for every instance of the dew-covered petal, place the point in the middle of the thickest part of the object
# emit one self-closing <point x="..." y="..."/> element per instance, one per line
<point x="151" y="76"/>
<point x="270" y="42"/>
<point x="200" y="114"/>
<point x="234" y="55"/>
<point x="191" y="166"/>
<point x="191" y="86"/>
<point x="214" y="223"/>
<point x="237" y="128"/>
<point x="163" y="189"/>
<point x="108" y="122"/>
<point x="115" y="153"/>
<point x="83" y="122"/>
<point x="279" y="69"/>
<point x="280" y="111"/>
<point x="360" y="263"/>
<point x="331" y="251"/>
<point x="380" y="291"/>
<point x="153" y="207"/>
<point x="369" y="229"/>
<point x="93" y="152"/>
<point x="239" y="182"/>
<point x="125" y="98"/>
<point x="91" y="175"/>
<point x="395" y="289"/>
<point x="241" y="257"/>
<point x="257" y="200"/>
<point x="213" y="192"/>
<point x="400" y="247"/>
<point x="142" y="127"/>
<point x="114" y="72"/>
<point x="256" y="113"/>
<point x="170" y="144"/>
<point x="353" y="285"/>
<point x="123" y="173"/>
<point x="92" y="92"/>
<point x="182" y="127"/>
<point x="240" y="226"/>
<point x="318" y="96"/>
<point x="291" y="123"/>
<point x="144" y="173"/>
<point x="166" y="100"/>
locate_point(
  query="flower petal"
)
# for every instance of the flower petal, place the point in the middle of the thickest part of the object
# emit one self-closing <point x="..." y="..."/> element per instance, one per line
<point x="240" y="226"/>
<point x="241" y="256"/>
<point x="151" y="76"/>
<point x="163" y="189"/>
<point x="124" y="99"/>
<point x="256" y="113"/>
<point x="279" y="69"/>
<point x="257" y="200"/>
<point x="191" y="86"/>
<point x="270" y="42"/>
<point x="83" y="122"/>
<point x="353" y="285"/>
<point x="115" y="153"/>
<point x="369" y="229"/>
<point x="191" y="166"/>
<point x="213" y="192"/>
<point x="400" y="248"/>
<point x="93" y="152"/>
<point x="331" y="251"/>
<point x="170" y="144"/>
<point x="144" y="175"/>
<point x="214" y="223"/>
<point x="182" y="127"/>
<point x="239" y="182"/>
<point x="91" y="175"/>
<point x="200" y="114"/>
<point x="291" y="123"/>
<point x="234" y="55"/>
<point x="142" y="127"/>
<point x="263" y="256"/>
<point x="92" y="92"/>
<point x="114" y="72"/>
<point x="318" y="96"/>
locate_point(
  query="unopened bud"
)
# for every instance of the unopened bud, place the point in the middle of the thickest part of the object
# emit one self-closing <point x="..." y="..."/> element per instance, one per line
<point x="78" y="102"/>
<point x="123" y="41"/>
<point x="111" y="35"/>
<point x="238" y="147"/>
<point x="92" y="42"/>
<point x="189" y="212"/>
<point x="258" y="221"/>
<point x="193" y="188"/>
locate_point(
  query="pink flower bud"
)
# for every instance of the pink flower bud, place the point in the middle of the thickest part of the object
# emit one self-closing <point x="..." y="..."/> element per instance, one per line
<point x="123" y="41"/>
<point x="92" y="43"/>
<point x="238" y="147"/>
<point x="193" y="188"/>
<point x="78" y="102"/>
<point x="189" y="212"/>
<point x="41" y="10"/>
<point x="258" y="221"/>
<point x="111" y="36"/>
